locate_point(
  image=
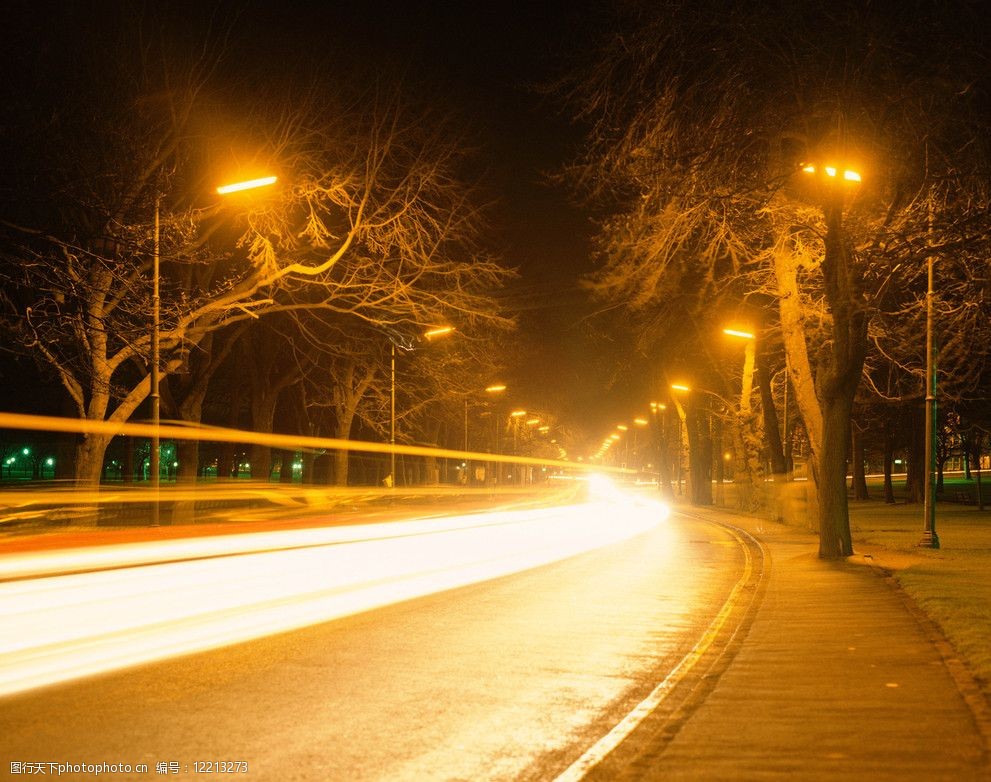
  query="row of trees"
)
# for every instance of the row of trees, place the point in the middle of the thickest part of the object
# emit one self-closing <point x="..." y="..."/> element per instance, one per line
<point x="719" y="138"/>
<point x="279" y="308"/>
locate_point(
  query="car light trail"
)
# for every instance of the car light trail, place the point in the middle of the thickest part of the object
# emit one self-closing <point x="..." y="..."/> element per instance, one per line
<point x="63" y="627"/>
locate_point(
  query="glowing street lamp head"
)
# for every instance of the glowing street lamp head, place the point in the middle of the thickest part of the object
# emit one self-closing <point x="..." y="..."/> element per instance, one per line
<point x="640" y="421"/>
<point x="441" y="331"/>
<point x="518" y="413"/>
<point x="495" y="388"/>
<point x="832" y="172"/>
<point x="680" y="387"/>
<point x="738" y="333"/>
<point x="622" y="427"/>
<point x="250" y="184"/>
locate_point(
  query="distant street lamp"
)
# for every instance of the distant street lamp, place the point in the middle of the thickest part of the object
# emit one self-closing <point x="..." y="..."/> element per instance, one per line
<point x="156" y="315"/>
<point x="428" y="335"/>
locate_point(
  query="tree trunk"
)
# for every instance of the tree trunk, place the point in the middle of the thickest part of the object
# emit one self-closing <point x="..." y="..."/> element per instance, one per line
<point x="262" y="422"/>
<point x="89" y="459"/>
<point x="834" y="520"/>
<point x="772" y="434"/>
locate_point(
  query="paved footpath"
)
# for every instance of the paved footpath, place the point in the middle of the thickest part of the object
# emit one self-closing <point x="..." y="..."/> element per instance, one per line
<point x="836" y="679"/>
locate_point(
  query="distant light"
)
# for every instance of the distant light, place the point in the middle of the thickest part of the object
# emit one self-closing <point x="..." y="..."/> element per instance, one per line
<point x="495" y="389"/>
<point x="851" y="176"/>
<point x="640" y="421"/>
<point x="49" y="461"/>
<point x="614" y="437"/>
<point x="518" y="413"/>
<point x="623" y="427"/>
<point x="830" y="171"/>
<point x="248" y="185"/>
<point x="544" y="429"/>
<point x="532" y="421"/>
<point x="680" y="387"/>
<point x="26" y="451"/>
<point x="809" y="169"/>
<point x="737" y="333"/>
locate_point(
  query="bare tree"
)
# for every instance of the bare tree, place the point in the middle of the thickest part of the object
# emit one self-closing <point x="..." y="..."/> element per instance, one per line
<point x="705" y="121"/>
<point x="372" y="221"/>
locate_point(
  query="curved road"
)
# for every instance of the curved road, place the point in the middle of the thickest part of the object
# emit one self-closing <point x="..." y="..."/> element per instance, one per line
<point x="510" y="678"/>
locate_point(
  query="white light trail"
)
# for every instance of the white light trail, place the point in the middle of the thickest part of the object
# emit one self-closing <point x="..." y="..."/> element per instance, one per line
<point x="63" y="627"/>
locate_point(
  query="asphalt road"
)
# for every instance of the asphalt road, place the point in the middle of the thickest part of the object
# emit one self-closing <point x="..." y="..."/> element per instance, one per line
<point x="510" y="678"/>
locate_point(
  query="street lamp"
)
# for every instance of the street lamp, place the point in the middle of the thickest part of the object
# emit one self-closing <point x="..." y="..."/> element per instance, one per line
<point x="156" y="316"/>
<point x="428" y="335"/>
<point x="495" y="388"/>
<point x="929" y="537"/>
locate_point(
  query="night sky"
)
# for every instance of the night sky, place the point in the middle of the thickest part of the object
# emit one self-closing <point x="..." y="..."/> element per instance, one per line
<point x="485" y="60"/>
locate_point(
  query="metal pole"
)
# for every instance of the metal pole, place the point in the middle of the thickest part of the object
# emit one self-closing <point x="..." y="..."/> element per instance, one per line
<point x="784" y="445"/>
<point x="156" y="416"/>
<point x="392" y="425"/>
<point x="929" y="537"/>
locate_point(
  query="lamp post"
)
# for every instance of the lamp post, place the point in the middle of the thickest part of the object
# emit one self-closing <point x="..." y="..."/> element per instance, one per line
<point x="683" y="389"/>
<point x="495" y="388"/>
<point x="156" y="316"/>
<point x="641" y="422"/>
<point x="929" y="537"/>
<point x="155" y="391"/>
<point x="441" y="331"/>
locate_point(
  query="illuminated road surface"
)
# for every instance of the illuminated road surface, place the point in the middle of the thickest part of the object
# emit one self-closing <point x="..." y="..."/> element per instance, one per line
<point x="496" y="646"/>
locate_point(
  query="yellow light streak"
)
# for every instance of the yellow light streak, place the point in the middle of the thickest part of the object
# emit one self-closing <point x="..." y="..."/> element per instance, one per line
<point x="640" y="421"/>
<point x="738" y="333"/>
<point x="495" y="389"/>
<point x="518" y="413"/>
<point x="680" y="387"/>
<point x="250" y="184"/>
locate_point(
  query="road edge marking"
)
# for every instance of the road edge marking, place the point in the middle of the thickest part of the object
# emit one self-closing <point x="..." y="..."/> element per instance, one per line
<point x="595" y="754"/>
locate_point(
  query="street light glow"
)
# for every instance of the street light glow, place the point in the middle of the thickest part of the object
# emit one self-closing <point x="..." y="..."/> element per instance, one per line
<point x="737" y="333"/>
<point x="518" y="413"/>
<point x="832" y="171"/>
<point x="249" y="184"/>
<point x="442" y="331"/>
<point x="495" y="389"/>
<point x="640" y="421"/>
<point x="680" y="387"/>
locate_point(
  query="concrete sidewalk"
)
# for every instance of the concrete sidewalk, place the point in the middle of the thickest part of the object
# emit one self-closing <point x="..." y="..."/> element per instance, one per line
<point x="837" y="678"/>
